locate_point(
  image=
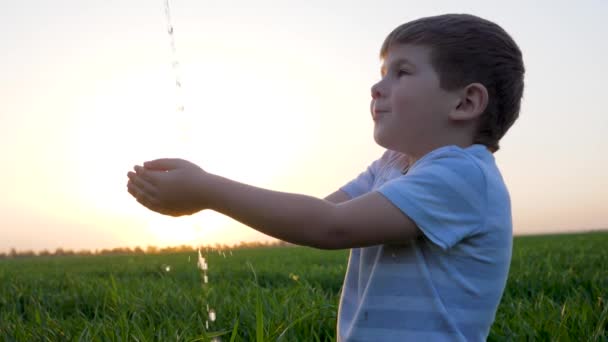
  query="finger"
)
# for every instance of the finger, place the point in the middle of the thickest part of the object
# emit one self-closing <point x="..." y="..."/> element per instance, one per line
<point x="149" y="189"/>
<point x="164" y="164"/>
<point x="137" y="192"/>
<point x="149" y="202"/>
<point x="134" y="190"/>
<point x="141" y="197"/>
<point x="152" y="205"/>
<point x="146" y="201"/>
<point x="142" y="184"/>
<point x="143" y="201"/>
<point x="146" y="175"/>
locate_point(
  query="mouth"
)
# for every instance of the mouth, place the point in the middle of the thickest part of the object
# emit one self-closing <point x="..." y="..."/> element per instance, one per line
<point x="377" y="114"/>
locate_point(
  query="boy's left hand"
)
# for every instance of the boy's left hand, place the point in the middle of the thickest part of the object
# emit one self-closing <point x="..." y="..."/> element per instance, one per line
<point x="172" y="187"/>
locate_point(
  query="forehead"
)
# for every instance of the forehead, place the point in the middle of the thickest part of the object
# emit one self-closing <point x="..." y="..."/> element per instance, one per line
<point x="416" y="55"/>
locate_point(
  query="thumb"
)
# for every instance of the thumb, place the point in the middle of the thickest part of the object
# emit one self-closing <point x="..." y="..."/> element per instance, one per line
<point x="164" y="164"/>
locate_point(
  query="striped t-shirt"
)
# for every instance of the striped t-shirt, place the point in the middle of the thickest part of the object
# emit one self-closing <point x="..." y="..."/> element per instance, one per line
<point x="447" y="284"/>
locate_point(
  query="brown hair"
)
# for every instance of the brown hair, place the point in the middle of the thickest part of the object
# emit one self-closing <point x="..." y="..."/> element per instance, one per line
<point x="467" y="49"/>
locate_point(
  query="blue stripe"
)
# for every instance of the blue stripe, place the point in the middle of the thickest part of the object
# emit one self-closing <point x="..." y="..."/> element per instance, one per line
<point x="488" y="300"/>
<point x="395" y="285"/>
<point x="387" y="335"/>
<point x="399" y="303"/>
<point x="401" y="320"/>
<point x="471" y="318"/>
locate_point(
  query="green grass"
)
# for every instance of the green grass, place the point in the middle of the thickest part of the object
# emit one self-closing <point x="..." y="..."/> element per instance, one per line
<point x="557" y="290"/>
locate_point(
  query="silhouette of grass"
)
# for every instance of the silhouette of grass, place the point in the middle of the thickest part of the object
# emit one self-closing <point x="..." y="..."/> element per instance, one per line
<point x="557" y="290"/>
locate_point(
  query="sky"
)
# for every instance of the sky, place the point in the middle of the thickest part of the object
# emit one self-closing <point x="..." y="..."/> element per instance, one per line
<point x="276" y="94"/>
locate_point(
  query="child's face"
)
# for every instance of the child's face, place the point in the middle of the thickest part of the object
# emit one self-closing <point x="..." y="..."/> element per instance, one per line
<point x="409" y="109"/>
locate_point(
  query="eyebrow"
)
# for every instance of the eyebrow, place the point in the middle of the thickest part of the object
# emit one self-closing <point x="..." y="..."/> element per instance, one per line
<point x="397" y="62"/>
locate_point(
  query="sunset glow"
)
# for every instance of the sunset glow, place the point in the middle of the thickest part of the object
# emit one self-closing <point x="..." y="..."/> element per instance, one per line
<point x="274" y="96"/>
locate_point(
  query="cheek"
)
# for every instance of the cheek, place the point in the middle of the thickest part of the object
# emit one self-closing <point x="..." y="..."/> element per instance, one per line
<point x="408" y="109"/>
<point x="405" y="97"/>
<point x="416" y="107"/>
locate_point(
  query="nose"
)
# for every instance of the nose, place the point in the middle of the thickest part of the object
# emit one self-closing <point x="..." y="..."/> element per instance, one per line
<point x="376" y="90"/>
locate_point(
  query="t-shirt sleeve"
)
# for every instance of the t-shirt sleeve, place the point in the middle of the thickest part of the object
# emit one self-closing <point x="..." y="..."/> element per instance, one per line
<point x="444" y="194"/>
<point x="364" y="183"/>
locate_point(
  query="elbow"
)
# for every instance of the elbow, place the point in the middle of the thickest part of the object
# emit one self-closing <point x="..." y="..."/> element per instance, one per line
<point x="327" y="245"/>
<point x="336" y="238"/>
<point x="331" y="231"/>
<point x="333" y="236"/>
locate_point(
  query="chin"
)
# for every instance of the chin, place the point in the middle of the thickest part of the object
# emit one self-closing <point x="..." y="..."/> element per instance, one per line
<point x="381" y="140"/>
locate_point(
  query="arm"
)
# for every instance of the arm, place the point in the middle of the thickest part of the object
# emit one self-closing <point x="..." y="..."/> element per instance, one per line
<point x="183" y="188"/>
<point x="337" y="196"/>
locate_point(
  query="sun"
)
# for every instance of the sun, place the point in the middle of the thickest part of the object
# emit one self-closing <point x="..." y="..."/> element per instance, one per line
<point x="204" y="228"/>
<point x="132" y="118"/>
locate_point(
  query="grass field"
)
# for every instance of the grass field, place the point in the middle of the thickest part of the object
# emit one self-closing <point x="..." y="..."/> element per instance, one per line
<point x="557" y="291"/>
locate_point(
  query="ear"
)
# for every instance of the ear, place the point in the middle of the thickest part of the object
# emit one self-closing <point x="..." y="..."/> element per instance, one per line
<point x="472" y="102"/>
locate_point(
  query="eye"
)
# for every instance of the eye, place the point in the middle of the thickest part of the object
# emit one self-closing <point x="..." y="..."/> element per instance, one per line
<point x="402" y="72"/>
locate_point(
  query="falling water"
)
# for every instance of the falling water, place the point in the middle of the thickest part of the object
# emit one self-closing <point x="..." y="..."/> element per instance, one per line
<point x="202" y="262"/>
<point x="175" y="63"/>
<point x="203" y="267"/>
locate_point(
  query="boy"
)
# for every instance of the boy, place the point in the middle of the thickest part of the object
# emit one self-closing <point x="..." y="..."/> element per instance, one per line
<point x="429" y="223"/>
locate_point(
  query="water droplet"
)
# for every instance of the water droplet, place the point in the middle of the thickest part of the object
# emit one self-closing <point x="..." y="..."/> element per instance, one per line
<point x="212" y="315"/>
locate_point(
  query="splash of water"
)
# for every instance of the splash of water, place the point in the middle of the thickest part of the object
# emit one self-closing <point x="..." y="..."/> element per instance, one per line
<point x="203" y="267"/>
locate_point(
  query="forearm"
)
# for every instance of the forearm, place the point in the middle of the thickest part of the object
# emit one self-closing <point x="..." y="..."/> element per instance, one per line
<point x="299" y="219"/>
<point x="177" y="187"/>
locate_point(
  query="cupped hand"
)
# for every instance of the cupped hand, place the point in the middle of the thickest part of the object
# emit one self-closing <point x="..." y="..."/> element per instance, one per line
<point x="168" y="186"/>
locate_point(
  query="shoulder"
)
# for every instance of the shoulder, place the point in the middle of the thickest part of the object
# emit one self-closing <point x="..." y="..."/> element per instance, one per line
<point x="470" y="156"/>
<point x="445" y="193"/>
<point x="455" y="165"/>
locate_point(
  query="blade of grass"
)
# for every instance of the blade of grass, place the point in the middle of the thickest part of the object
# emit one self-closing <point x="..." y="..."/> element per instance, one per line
<point x="210" y="335"/>
<point x="294" y="323"/>
<point x="234" y="330"/>
<point x="259" y="317"/>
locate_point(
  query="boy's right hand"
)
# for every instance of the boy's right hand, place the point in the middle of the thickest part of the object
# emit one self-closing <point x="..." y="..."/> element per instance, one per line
<point x="174" y="187"/>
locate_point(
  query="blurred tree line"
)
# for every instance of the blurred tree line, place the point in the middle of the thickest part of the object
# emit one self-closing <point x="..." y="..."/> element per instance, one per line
<point x="14" y="253"/>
